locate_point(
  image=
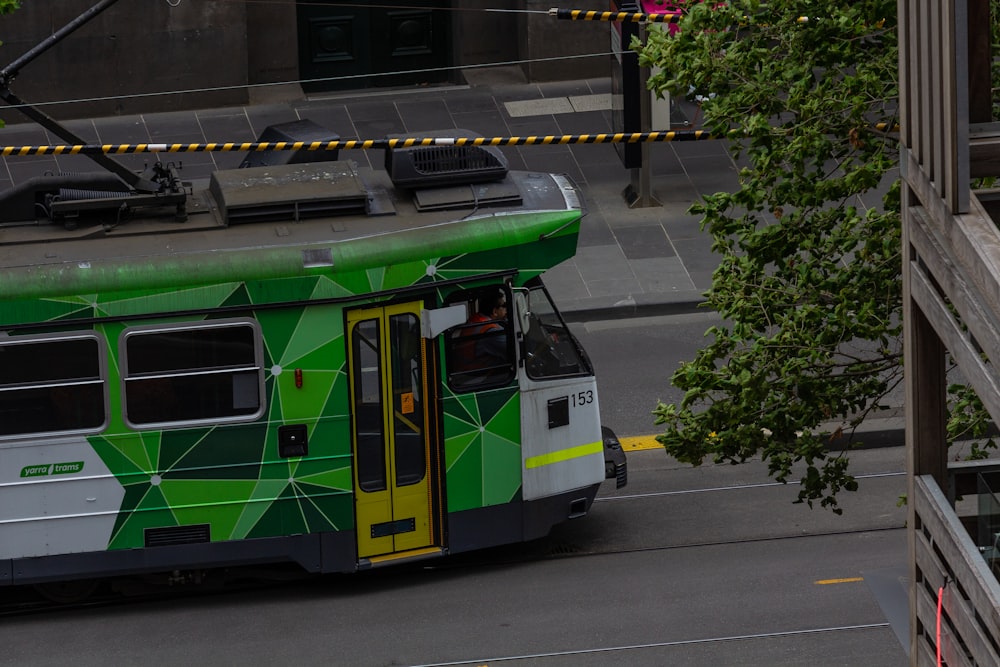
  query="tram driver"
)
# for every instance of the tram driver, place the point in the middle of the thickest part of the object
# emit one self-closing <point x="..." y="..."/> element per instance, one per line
<point x="482" y="352"/>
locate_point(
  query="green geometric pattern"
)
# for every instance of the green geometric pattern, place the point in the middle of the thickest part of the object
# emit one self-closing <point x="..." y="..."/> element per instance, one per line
<point x="482" y="448"/>
<point x="231" y="476"/>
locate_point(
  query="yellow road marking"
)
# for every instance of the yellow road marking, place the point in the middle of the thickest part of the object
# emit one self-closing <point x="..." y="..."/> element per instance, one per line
<point x="849" y="580"/>
<point x="637" y="443"/>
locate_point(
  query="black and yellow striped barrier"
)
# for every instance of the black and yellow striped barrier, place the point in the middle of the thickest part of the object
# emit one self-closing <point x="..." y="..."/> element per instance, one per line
<point x="373" y="144"/>
<point x="628" y="17"/>
<point x="616" y="17"/>
<point x="123" y="149"/>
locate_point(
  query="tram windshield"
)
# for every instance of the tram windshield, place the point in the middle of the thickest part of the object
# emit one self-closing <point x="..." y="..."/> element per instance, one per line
<point x="551" y="351"/>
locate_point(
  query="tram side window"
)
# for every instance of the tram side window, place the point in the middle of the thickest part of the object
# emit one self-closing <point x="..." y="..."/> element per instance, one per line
<point x="550" y="349"/>
<point x="203" y="373"/>
<point x="480" y="353"/>
<point x="52" y="384"/>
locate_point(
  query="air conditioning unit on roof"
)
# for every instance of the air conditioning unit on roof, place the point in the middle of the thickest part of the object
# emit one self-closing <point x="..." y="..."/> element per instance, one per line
<point x="446" y="164"/>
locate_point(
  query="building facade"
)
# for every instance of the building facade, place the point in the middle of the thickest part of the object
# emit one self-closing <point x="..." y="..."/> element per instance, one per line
<point x="213" y="53"/>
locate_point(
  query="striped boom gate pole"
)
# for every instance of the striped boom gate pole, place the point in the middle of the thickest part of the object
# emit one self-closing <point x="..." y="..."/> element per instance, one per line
<point x="616" y="17"/>
<point x="360" y="144"/>
<point x="662" y="136"/>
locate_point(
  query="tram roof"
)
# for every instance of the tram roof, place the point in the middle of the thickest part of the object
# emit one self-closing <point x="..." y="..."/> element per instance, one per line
<point x="242" y="225"/>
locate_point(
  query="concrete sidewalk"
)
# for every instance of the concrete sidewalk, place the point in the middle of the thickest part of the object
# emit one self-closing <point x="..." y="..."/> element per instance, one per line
<point x="629" y="260"/>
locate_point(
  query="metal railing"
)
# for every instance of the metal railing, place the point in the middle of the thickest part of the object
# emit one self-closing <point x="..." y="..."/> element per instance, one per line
<point x="956" y="593"/>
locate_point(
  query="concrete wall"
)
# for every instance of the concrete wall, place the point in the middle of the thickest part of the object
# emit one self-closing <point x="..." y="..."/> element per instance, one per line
<point x="131" y="48"/>
<point x="526" y="35"/>
<point x="480" y="38"/>
<point x="272" y="50"/>
<point x="134" y="48"/>
<point x="548" y="37"/>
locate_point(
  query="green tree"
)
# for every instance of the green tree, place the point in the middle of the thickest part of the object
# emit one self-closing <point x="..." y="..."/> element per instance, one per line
<point x="809" y="275"/>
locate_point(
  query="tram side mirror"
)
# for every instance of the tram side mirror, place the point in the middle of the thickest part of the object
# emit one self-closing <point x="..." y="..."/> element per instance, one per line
<point x="435" y="321"/>
<point x="522" y="305"/>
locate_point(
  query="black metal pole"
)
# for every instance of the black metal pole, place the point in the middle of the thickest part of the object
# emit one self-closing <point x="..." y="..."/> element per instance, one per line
<point x="8" y="73"/>
<point x="54" y="126"/>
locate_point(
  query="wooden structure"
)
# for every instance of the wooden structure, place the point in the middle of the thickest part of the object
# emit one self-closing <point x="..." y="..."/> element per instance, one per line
<point x="951" y="273"/>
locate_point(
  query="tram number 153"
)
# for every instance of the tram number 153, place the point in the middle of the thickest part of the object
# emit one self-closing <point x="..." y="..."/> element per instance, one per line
<point x="582" y="398"/>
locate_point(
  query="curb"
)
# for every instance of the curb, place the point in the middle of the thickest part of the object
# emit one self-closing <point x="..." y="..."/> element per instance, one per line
<point x="580" y="310"/>
<point x="877" y="438"/>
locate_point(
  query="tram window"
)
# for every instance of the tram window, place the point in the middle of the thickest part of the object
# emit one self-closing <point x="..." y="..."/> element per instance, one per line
<point x="198" y="373"/>
<point x="480" y="353"/>
<point x="408" y="413"/>
<point x="550" y="350"/>
<point x="368" y="408"/>
<point x="52" y="384"/>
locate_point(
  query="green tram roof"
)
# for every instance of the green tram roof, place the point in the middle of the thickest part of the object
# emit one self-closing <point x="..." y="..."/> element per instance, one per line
<point x="352" y="225"/>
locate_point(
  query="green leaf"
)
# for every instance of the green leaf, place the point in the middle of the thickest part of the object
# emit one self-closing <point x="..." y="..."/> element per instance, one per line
<point x="810" y="287"/>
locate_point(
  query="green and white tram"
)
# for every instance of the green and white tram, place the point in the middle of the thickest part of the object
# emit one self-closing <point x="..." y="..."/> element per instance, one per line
<point x="278" y="366"/>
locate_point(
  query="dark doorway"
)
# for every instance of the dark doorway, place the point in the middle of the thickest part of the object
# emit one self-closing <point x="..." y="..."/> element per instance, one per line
<point x="345" y="45"/>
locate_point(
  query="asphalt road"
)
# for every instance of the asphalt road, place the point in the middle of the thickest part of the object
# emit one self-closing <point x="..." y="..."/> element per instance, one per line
<point x="708" y="566"/>
<point x="634" y="360"/>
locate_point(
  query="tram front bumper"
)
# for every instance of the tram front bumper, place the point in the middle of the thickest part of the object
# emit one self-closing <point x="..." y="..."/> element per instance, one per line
<point x="615" y="464"/>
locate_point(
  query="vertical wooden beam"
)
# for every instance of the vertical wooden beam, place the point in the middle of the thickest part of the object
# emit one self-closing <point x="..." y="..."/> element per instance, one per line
<point x="938" y="81"/>
<point x="945" y="87"/>
<point x="980" y="97"/>
<point x="925" y="406"/>
<point x="920" y="77"/>
<point x="956" y="64"/>
<point x="905" y="102"/>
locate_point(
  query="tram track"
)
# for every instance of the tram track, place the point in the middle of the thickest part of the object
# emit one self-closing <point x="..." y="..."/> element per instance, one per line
<point x="552" y="548"/>
<point x="25" y="602"/>
<point x="734" y="487"/>
<point x="505" y="630"/>
<point x="625" y="649"/>
<point x="675" y="648"/>
<point x="566" y="550"/>
<point x="22" y="601"/>
<point x="29" y="603"/>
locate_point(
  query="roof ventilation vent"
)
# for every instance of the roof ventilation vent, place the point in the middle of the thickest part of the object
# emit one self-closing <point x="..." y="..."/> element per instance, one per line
<point x="289" y="192"/>
<point x="428" y="166"/>
<point x="299" y="130"/>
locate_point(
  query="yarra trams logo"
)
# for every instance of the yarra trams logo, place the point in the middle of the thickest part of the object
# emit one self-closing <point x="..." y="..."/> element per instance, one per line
<point x="47" y="469"/>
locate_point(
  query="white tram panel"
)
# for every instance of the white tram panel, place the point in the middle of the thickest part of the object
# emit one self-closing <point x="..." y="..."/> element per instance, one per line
<point x="56" y="497"/>
<point x="562" y="446"/>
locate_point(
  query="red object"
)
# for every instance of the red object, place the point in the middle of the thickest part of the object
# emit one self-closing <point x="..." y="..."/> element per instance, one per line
<point x="652" y="7"/>
<point x="298" y="378"/>
<point x="938" y="642"/>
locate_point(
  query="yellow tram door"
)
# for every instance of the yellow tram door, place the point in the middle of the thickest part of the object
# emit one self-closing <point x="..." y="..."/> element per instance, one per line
<point x="392" y="442"/>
